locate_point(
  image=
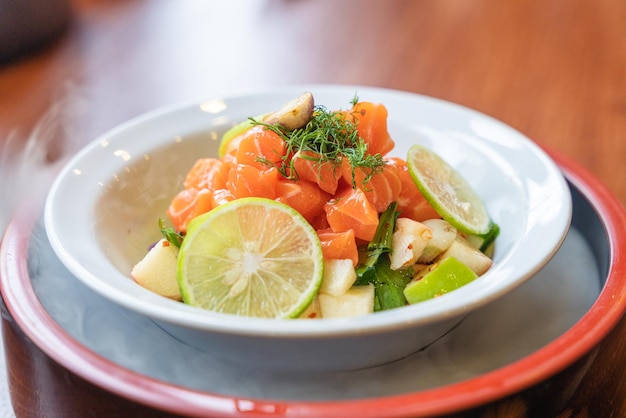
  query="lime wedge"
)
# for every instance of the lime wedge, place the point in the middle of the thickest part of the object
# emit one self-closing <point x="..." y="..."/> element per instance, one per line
<point x="230" y="138"/>
<point x="251" y="257"/>
<point x="447" y="192"/>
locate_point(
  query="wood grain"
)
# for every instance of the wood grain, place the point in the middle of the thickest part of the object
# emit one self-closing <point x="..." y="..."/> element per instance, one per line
<point x="554" y="70"/>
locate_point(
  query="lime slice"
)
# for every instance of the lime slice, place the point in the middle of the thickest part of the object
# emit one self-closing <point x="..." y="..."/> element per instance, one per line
<point x="447" y="192"/>
<point x="231" y="137"/>
<point x="251" y="257"/>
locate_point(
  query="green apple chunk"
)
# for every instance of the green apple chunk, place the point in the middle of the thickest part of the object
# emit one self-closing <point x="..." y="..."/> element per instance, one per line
<point x="438" y="279"/>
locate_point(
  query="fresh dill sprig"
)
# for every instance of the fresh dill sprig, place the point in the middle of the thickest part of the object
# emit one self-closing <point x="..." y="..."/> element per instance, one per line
<point x="328" y="137"/>
<point x="170" y="234"/>
<point x="355" y="100"/>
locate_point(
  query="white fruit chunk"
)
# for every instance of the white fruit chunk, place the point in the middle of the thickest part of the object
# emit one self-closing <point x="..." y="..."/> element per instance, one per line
<point x="339" y="276"/>
<point x="157" y="270"/>
<point x="408" y="242"/>
<point x="357" y="301"/>
<point x="444" y="235"/>
<point x="468" y="255"/>
<point x="313" y="311"/>
<point x="474" y="240"/>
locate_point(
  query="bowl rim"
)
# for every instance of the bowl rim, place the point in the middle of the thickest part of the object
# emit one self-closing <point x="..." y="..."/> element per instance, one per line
<point x="580" y="339"/>
<point x="388" y="320"/>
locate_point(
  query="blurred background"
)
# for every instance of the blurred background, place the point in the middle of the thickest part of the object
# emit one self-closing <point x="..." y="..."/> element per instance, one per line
<point x="554" y="70"/>
<point x="72" y="69"/>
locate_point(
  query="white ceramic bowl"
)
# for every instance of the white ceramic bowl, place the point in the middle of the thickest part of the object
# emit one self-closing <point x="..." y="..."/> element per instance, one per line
<point x="101" y="215"/>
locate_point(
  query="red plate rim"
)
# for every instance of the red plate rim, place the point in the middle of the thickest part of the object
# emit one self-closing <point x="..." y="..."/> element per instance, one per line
<point x="601" y="318"/>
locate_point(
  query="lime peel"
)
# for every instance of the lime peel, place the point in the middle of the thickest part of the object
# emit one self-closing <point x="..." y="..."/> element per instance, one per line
<point x="448" y="192"/>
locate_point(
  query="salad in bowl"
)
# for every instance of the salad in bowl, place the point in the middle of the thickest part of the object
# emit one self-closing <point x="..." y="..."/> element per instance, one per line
<point x="282" y="230"/>
<point x="304" y="215"/>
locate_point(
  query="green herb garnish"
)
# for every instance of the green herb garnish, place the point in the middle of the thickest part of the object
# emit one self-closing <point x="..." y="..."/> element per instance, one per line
<point x="170" y="234"/>
<point x="374" y="266"/>
<point x="328" y="137"/>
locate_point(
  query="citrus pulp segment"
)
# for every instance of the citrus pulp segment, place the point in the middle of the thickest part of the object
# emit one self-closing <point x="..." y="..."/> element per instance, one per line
<point x="447" y="191"/>
<point x="251" y="257"/>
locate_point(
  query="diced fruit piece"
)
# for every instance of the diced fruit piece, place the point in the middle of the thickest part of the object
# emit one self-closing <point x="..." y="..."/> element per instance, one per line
<point x="484" y="242"/>
<point x="438" y="279"/>
<point x="157" y="270"/>
<point x="251" y="257"/>
<point x="339" y="276"/>
<point x="444" y="235"/>
<point x="357" y="301"/>
<point x="409" y="240"/>
<point x="474" y="240"/>
<point x="468" y="255"/>
<point x="447" y="191"/>
<point x="417" y="267"/>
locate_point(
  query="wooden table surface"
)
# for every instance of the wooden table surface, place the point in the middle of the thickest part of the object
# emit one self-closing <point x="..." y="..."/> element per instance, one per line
<point x="555" y="70"/>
